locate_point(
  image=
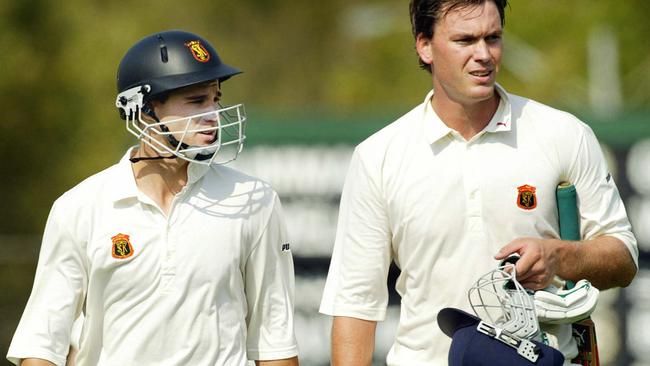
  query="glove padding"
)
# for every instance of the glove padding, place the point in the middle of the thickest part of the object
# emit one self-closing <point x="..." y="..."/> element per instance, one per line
<point x="561" y="306"/>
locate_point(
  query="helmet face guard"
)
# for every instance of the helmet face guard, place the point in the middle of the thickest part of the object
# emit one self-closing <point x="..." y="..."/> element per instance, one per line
<point x="227" y="124"/>
<point x="500" y="300"/>
<point x="161" y="63"/>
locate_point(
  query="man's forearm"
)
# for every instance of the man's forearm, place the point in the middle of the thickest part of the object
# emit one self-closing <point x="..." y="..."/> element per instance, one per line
<point x="353" y="341"/>
<point x="35" y="362"/>
<point x="284" y="362"/>
<point x="604" y="261"/>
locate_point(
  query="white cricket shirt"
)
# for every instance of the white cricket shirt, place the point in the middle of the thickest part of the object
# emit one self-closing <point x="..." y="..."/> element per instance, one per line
<point x="212" y="284"/>
<point x="441" y="207"/>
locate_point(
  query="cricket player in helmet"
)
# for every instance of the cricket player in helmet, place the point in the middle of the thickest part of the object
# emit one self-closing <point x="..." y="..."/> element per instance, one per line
<point x="171" y="257"/>
<point x="166" y="62"/>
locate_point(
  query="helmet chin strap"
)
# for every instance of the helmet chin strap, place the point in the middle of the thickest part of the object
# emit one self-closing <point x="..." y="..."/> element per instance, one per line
<point x="140" y="158"/>
<point x="149" y="112"/>
<point x="170" y="138"/>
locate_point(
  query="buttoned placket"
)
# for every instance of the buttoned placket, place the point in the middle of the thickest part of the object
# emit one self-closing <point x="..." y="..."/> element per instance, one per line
<point x="471" y="183"/>
<point x="169" y="241"/>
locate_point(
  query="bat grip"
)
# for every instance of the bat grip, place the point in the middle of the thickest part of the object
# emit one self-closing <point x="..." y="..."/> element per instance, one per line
<point x="569" y="219"/>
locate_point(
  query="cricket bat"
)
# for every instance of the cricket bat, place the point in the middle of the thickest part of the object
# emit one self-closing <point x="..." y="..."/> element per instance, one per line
<point x="584" y="331"/>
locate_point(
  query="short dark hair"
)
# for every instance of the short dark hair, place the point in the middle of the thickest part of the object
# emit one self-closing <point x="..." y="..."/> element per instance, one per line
<point x="426" y="13"/>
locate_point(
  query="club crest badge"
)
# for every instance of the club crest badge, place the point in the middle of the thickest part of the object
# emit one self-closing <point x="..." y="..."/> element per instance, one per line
<point x="199" y="52"/>
<point x="121" y="246"/>
<point x="526" y="197"/>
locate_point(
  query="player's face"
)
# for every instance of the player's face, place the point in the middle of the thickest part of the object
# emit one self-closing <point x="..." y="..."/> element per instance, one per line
<point x="466" y="52"/>
<point x="194" y="100"/>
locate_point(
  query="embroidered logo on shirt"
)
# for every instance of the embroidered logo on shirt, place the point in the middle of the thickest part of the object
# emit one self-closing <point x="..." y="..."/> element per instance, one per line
<point x="526" y="198"/>
<point x="285" y="247"/>
<point x="121" y="246"/>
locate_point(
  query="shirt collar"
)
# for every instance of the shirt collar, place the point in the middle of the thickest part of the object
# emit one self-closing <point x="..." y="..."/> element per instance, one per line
<point x="125" y="186"/>
<point x="502" y="119"/>
<point x="434" y="128"/>
<point x="195" y="172"/>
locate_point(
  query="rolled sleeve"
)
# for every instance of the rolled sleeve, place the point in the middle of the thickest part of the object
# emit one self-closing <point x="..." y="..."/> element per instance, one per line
<point x="601" y="208"/>
<point x="356" y="282"/>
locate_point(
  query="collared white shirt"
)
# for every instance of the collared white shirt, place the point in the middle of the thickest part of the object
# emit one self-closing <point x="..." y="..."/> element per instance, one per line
<point x="419" y="194"/>
<point x="211" y="284"/>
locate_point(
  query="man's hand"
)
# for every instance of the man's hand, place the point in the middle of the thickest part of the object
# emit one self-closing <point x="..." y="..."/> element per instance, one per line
<point x="353" y="341"/>
<point x="604" y="261"/>
<point x="293" y="361"/>
<point x="538" y="263"/>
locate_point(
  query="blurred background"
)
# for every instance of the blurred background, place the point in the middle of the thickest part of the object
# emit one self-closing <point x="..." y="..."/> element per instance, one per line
<point x="319" y="78"/>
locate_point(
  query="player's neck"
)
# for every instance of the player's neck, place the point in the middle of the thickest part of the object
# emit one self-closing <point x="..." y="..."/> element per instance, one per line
<point x="161" y="179"/>
<point x="468" y="118"/>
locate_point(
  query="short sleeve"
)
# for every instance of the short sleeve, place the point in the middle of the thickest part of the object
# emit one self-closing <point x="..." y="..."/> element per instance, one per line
<point x="601" y="208"/>
<point x="57" y="296"/>
<point x="356" y="283"/>
<point x="269" y="281"/>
